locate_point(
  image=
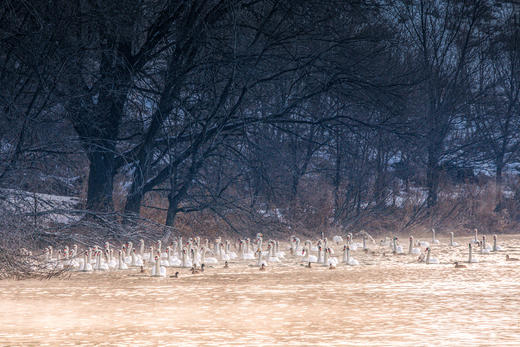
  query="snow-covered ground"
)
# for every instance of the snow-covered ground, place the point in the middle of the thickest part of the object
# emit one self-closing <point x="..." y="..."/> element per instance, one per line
<point x="46" y="207"/>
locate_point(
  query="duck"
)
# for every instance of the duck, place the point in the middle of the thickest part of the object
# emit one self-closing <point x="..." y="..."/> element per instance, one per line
<point x="508" y="258"/>
<point x="308" y="265"/>
<point x="262" y="267"/>
<point x="226" y="265"/>
<point x="176" y="275"/>
<point x="332" y="267"/>
<point x="194" y="271"/>
<point x="459" y="266"/>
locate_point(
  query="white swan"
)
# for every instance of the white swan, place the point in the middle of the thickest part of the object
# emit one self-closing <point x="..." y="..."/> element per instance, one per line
<point x="412" y="249"/>
<point x="87" y="267"/>
<point x="484" y="249"/>
<point x="452" y="243"/>
<point x="260" y="258"/>
<point x="208" y="260"/>
<point x="157" y="269"/>
<point x="185" y="262"/>
<point x="429" y="258"/>
<point x="329" y="259"/>
<point x="121" y="264"/>
<point x="100" y="265"/>
<point x="307" y="257"/>
<point x="475" y="240"/>
<point x="434" y="240"/>
<point x="470" y="255"/>
<point x="424" y="243"/>
<point x="396" y="249"/>
<point x="496" y="248"/>
<point x="347" y="259"/>
<point x="136" y="259"/>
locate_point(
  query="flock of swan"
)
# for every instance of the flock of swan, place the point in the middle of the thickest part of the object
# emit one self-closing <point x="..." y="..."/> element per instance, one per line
<point x="195" y="254"/>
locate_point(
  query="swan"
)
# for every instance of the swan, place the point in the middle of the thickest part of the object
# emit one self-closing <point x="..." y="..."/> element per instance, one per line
<point x="310" y="258"/>
<point x="231" y="255"/>
<point x="87" y="267"/>
<point x="412" y="249"/>
<point x="136" y="260"/>
<point x="186" y="262"/>
<point x="279" y="254"/>
<point x="470" y="255"/>
<point x="483" y="247"/>
<point x="271" y="256"/>
<point x="475" y="240"/>
<point x="260" y="260"/>
<point x="121" y="264"/>
<point x="330" y="260"/>
<point x="150" y="256"/>
<point x="338" y="239"/>
<point x="396" y="249"/>
<point x="452" y="243"/>
<point x="425" y="244"/>
<point x="430" y="259"/>
<point x="208" y="260"/>
<point x="496" y="248"/>
<point x="320" y="258"/>
<point x="385" y="243"/>
<point x="157" y="269"/>
<point x="173" y="260"/>
<point x="100" y="266"/>
<point x="141" y="248"/>
<point x="346" y="257"/>
<point x="112" y="263"/>
<point x="164" y="262"/>
<point x="434" y="240"/>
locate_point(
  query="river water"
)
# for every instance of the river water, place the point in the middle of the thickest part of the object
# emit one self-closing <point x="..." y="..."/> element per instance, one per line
<point x="387" y="300"/>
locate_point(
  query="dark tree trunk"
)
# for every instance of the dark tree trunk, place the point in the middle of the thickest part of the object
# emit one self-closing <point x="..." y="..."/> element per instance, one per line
<point x="498" y="180"/>
<point x="173" y="204"/>
<point x="432" y="179"/>
<point x="100" y="182"/>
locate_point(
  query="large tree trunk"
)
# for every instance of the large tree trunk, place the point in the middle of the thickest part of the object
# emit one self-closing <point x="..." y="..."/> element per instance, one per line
<point x="100" y="182"/>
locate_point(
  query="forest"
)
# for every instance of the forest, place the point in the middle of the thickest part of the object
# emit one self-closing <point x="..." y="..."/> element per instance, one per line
<point x="167" y="117"/>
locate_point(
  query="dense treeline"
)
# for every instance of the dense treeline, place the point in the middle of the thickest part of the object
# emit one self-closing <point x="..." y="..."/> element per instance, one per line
<point x="316" y="114"/>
